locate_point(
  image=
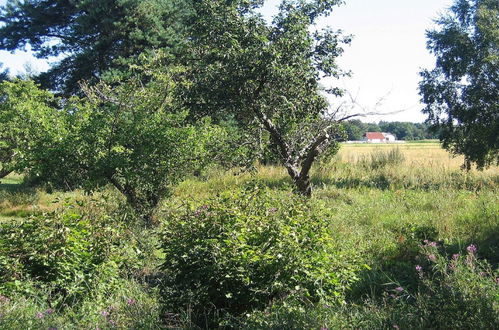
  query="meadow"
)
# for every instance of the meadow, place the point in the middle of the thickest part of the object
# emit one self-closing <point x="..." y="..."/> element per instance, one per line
<point x="394" y="237"/>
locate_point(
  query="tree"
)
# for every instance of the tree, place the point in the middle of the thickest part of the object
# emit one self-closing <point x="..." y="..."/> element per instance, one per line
<point x="461" y="93"/>
<point x="27" y="114"/>
<point x="268" y="75"/>
<point x="95" y="37"/>
<point x="131" y="135"/>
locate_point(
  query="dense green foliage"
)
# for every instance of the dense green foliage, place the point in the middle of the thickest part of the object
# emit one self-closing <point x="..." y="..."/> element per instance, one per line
<point x="458" y="292"/>
<point x="88" y="265"/>
<point x="267" y="74"/>
<point x="461" y="93"/>
<point x="95" y="38"/>
<point x="150" y="223"/>
<point x="134" y="136"/>
<point x="28" y="119"/>
<point x="69" y="253"/>
<point x="245" y="249"/>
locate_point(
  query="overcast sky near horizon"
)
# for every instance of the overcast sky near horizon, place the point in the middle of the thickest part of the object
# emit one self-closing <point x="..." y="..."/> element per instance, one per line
<point x="385" y="57"/>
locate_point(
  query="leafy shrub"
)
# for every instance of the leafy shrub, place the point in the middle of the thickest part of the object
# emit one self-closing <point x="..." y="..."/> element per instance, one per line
<point x="64" y="252"/>
<point x="458" y="292"/>
<point x="241" y="251"/>
<point x="380" y="158"/>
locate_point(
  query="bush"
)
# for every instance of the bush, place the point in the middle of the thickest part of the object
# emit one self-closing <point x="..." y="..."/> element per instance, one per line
<point x="64" y="253"/>
<point x="458" y="292"/>
<point x="242" y="251"/>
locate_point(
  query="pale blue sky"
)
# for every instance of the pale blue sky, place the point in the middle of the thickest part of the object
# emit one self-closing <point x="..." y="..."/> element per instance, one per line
<point x="387" y="52"/>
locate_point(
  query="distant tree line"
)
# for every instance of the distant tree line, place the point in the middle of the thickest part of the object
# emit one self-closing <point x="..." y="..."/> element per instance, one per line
<point x="355" y="130"/>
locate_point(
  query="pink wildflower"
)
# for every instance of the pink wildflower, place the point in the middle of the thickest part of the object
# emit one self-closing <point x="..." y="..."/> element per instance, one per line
<point x="471" y="249"/>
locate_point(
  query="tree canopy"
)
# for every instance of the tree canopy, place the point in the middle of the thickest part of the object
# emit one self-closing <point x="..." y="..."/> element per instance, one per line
<point x="461" y="93"/>
<point x="93" y="38"/>
<point x="268" y="75"/>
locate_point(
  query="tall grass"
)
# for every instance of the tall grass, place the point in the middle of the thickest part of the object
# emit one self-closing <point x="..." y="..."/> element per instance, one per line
<point x="381" y="203"/>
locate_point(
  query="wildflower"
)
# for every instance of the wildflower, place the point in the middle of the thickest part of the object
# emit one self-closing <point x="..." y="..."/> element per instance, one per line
<point x="104" y="313"/>
<point x="399" y="289"/>
<point x="396" y="326"/>
<point x="419" y="268"/>
<point x="471" y="249"/>
<point x="49" y="311"/>
<point x="131" y="301"/>
<point x="434" y="244"/>
<point x="455" y="256"/>
<point x="39" y="315"/>
<point x="432" y="257"/>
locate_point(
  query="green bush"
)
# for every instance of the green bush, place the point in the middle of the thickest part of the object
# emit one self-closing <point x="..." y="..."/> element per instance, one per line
<point x="65" y="253"/>
<point x="457" y="292"/>
<point x="242" y="251"/>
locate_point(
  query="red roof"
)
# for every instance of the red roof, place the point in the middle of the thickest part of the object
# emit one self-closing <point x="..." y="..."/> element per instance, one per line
<point x="375" y="136"/>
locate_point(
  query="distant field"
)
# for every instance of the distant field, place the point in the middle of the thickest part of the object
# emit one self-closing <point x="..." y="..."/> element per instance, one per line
<point x="426" y="153"/>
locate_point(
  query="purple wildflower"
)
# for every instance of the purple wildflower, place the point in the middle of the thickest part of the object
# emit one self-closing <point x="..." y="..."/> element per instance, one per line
<point x="432" y="257"/>
<point x="396" y="326"/>
<point x="471" y="249"/>
<point x="49" y="311"/>
<point x="455" y="256"/>
<point x="39" y="315"/>
<point x="399" y="289"/>
<point x="104" y="313"/>
<point x="131" y="301"/>
<point x="419" y="268"/>
<point x="434" y="244"/>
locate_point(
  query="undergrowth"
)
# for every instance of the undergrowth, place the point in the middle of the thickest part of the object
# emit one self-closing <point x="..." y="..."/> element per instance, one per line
<point x="380" y="245"/>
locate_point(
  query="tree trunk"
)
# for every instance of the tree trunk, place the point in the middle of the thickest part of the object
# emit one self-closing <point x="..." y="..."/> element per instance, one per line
<point x="142" y="208"/>
<point x="303" y="185"/>
<point x="4" y="173"/>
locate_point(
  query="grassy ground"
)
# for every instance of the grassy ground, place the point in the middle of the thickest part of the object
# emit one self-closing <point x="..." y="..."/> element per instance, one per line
<point x="380" y="214"/>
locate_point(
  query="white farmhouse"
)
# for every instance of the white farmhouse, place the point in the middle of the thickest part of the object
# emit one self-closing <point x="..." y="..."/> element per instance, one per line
<point x="378" y="137"/>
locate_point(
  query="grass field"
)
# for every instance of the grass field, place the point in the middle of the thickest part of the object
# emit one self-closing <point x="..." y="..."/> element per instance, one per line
<point x="387" y="208"/>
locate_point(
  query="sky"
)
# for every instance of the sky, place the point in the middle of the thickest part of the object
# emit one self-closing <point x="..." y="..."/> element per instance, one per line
<point x="386" y="55"/>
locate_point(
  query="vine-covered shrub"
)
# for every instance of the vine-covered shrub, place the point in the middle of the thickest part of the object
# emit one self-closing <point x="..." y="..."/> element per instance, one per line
<point x="244" y="250"/>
